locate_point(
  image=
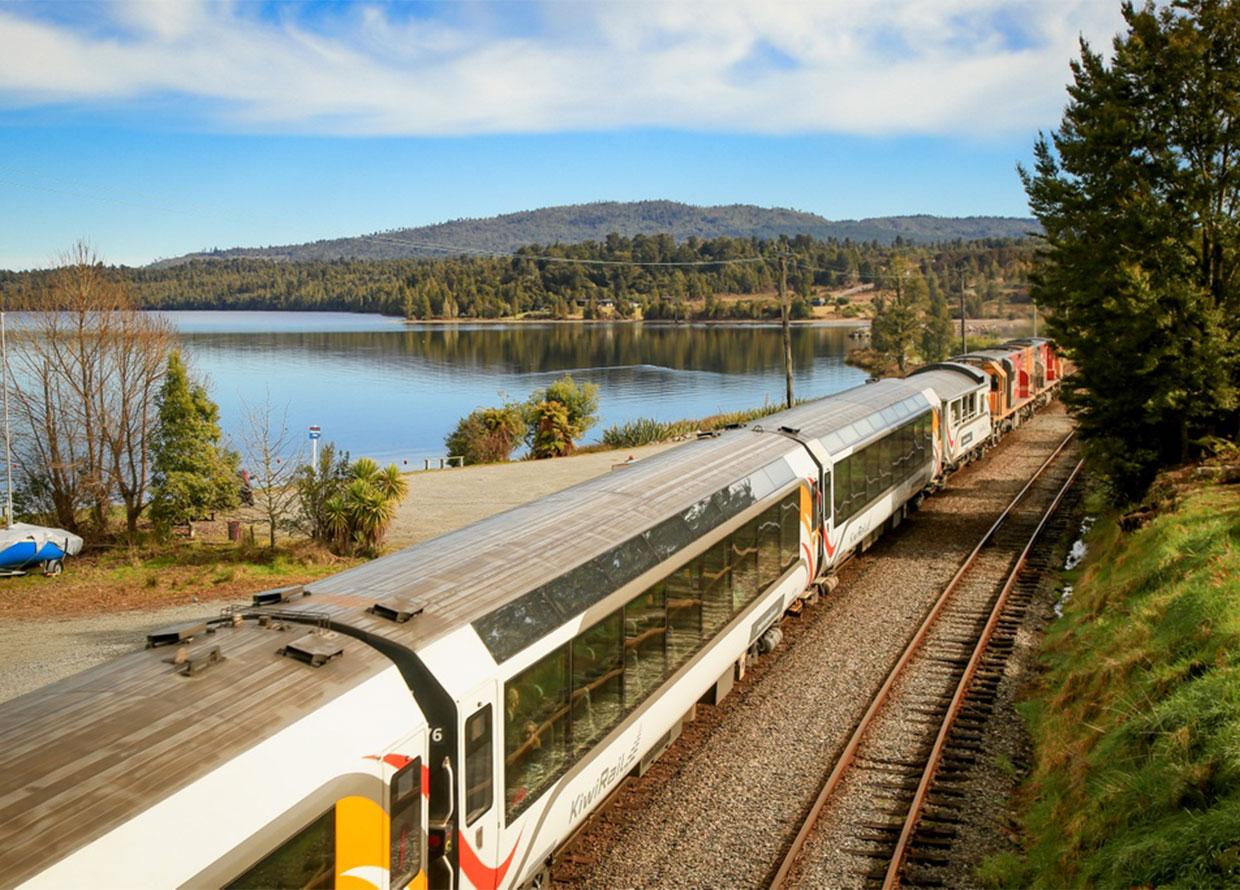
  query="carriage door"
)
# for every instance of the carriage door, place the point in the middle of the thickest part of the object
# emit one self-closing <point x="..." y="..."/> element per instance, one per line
<point x="408" y="793"/>
<point x="478" y="851"/>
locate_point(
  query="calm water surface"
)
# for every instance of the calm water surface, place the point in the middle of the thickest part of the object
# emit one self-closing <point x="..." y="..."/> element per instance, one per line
<point x="392" y="391"/>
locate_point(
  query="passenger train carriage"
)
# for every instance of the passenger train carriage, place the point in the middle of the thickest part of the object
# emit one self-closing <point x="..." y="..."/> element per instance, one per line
<point x="447" y="715"/>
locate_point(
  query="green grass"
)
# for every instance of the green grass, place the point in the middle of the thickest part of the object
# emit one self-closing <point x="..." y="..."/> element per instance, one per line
<point x="648" y="431"/>
<point x="1136" y="720"/>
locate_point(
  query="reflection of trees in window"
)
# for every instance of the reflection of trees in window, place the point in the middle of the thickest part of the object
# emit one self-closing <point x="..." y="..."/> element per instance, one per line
<point x="597" y="668"/>
<point x="790" y="536"/>
<point x="645" y="631"/>
<point x="306" y="860"/>
<point x="744" y="542"/>
<point x="406" y="809"/>
<point x="770" y="564"/>
<point x="873" y="472"/>
<point x="536" y="729"/>
<point x="716" y="578"/>
<point x="684" y="614"/>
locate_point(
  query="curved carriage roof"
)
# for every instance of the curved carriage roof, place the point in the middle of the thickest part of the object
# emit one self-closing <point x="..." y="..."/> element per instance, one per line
<point x="518" y="574"/>
<point x="998" y="353"/>
<point x="950" y="380"/>
<point x="86" y="754"/>
<point x="856" y="415"/>
<point x="574" y="546"/>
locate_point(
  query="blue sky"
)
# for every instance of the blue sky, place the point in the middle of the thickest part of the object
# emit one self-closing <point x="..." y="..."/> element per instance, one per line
<point x="152" y="129"/>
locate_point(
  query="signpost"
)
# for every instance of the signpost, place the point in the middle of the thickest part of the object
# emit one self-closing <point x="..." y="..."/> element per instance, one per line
<point x="315" y="435"/>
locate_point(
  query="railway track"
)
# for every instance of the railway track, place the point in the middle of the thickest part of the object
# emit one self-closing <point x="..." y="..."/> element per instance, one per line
<point x="886" y="814"/>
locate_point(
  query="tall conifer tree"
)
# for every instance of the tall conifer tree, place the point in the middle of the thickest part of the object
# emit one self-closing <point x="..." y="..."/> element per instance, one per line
<point x="192" y="474"/>
<point x="1138" y="192"/>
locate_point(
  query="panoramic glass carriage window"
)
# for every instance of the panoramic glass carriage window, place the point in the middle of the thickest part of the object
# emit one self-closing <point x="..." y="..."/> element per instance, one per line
<point x="684" y="615"/>
<point x="790" y="530"/>
<point x="598" y="666"/>
<point x="536" y="729"/>
<point x="873" y="472"/>
<point x="478" y="769"/>
<point x="306" y="861"/>
<point x="716" y="580"/>
<point x="887" y="460"/>
<point x="858" y="483"/>
<point x="744" y="544"/>
<point x="770" y="563"/>
<point x="406" y="836"/>
<point x="645" y="632"/>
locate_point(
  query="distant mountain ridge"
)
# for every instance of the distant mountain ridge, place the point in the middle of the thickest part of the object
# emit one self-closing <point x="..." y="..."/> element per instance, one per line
<point x="574" y="223"/>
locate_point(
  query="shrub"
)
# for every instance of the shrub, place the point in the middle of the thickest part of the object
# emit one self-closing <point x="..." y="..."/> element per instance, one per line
<point x="558" y="415"/>
<point x="349" y="507"/>
<point x="488" y="435"/>
<point x="552" y="433"/>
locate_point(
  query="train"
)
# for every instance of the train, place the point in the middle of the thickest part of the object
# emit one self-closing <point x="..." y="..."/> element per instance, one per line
<point x="449" y="715"/>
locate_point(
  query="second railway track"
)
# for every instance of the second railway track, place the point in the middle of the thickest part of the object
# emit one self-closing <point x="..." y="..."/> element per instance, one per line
<point x="888" y="813"/>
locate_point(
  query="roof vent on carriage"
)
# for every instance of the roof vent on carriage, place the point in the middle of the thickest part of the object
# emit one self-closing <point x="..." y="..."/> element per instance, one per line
<point x="277" y="595"/>
<point x="176" y="633"/>
<point x="316" y="648"/>
<point x="398" y="609"/>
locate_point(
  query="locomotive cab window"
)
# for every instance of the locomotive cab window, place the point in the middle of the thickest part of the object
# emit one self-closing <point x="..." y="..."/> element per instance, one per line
<point x="406" y="834"/>
<point x="478" y="785"/>
<point x="306" y="861"/>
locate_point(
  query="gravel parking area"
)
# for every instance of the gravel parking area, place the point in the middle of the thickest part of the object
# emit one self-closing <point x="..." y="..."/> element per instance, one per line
<point x="735" y="802"/>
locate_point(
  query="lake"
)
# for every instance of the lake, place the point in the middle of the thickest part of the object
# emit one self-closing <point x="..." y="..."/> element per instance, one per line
<point x="392" y="391"/>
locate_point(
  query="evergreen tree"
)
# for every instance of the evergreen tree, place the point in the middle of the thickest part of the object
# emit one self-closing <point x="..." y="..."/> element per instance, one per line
<point x="1138" y="193"/>
<point x="897" y="319"/>
<point x="936" y="335"/>
<point x="192" y="475"/>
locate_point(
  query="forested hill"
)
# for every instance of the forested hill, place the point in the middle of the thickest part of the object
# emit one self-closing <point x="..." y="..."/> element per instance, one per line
<point x="594" y="222"/>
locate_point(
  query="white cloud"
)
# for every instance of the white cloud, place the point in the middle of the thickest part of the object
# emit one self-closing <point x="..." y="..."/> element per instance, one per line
<point x="852" y="66"/>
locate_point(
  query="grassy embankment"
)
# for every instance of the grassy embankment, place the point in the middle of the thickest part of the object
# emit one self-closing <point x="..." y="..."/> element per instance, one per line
<point x="1136" y="720"/>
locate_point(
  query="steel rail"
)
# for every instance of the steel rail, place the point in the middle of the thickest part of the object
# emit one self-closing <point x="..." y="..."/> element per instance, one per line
<point x="912" y="818"/>
<point x="846" y="757"/>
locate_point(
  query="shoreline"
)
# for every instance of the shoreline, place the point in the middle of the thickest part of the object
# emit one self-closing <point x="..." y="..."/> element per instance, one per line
<point x="660" y="322"/>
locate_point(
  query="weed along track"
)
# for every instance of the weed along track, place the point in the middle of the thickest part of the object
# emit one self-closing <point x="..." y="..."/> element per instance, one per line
<point x="724" y="803"/>
<point x="887" y="813"/>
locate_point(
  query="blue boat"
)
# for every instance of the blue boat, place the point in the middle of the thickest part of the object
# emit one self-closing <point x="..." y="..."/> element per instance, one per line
<point x="24" y="546"/>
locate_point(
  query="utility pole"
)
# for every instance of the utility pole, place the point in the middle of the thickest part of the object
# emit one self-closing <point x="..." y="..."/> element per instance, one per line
<point x="784" y="311"/>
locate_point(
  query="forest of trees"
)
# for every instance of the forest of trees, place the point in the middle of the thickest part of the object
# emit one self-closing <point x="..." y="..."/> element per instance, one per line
<point x="533" y="281"/>
<point x="574" y="223"/>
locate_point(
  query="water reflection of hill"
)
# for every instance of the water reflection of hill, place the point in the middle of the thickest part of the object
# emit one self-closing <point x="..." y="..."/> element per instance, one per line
<point x="551" y="348"/>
